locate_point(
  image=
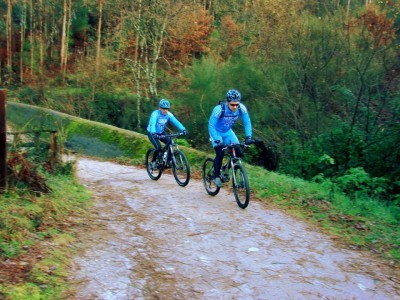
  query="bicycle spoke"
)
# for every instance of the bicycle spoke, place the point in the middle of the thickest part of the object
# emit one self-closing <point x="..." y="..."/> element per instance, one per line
<point x="240" y="184"/>
<point x="208" y="174"/>
<point x="180" y="168"/>
<point x="154" y="173"/>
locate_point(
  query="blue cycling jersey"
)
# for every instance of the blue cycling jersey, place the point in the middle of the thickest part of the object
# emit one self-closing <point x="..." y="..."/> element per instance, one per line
<point x="158" y="122"/>
<point x="221" y="127"/>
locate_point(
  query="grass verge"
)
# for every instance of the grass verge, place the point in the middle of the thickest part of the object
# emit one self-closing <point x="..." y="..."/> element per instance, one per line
<point x="34" y="239"/>
<point x="361" y="223"/>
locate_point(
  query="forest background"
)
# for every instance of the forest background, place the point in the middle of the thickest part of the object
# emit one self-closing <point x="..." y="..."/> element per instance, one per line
<point x="320" y="78"/>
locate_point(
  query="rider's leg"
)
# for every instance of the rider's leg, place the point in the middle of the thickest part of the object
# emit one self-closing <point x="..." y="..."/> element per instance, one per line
<point x="157" y="145"/>
<point x="166" y="140"/>
<point x="219" y="155"/>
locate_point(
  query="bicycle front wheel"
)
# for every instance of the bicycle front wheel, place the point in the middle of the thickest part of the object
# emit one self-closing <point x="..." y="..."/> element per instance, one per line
<point x="154" y="173"/>
<point x="208" y="176"/>
<point x="240" y="185"/>
<point x="181" y="168"/>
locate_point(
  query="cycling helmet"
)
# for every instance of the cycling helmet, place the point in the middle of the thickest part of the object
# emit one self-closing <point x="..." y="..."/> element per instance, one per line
<point x="164" y="103"/>
<point x="233" y="95"/>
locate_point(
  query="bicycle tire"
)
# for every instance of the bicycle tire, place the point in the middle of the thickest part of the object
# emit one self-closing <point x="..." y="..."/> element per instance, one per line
<point x="208" y="175"/>
<point x="241" y="189"/>
<point x="181" y="168"/>
<point x="154" y="174"/>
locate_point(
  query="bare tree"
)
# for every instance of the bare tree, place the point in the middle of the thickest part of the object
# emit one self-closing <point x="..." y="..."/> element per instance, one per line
<point x="66" y="23"/>
<point x="22" y="31"/>
<point x="98" y="52"/>
<point x="41" y="39"/>
<point x="63" y="37"/>
<point x="9" y="38"/>
<point x="31" y="26"/>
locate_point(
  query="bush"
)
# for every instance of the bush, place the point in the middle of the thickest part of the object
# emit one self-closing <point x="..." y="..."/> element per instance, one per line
<point x="357" y="181"/>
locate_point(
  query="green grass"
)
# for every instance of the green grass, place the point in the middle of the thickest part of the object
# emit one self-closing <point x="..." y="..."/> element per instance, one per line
<point x="362" y="222"/>
<point x="28" y="220"/>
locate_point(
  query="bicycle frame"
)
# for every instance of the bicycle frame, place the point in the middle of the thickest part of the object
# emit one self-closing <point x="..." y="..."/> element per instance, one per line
<point x="229" y="166"/>
<point x="171" y="157"/>
<point x="169" y="149"/>
<point x="233" y="165"/>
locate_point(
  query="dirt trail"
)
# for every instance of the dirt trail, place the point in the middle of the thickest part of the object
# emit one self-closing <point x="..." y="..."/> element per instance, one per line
<point x="155" y="240"/>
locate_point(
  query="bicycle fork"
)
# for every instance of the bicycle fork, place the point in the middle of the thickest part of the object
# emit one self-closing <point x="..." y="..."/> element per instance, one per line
<point x="169" y="156"/>
<point x="234" y="163"/>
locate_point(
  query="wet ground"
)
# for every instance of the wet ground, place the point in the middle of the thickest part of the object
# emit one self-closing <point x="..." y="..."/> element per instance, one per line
<point x="156" y="240"/>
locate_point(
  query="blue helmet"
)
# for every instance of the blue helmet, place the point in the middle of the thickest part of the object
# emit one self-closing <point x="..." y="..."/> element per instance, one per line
<point x="164" y="103"/>
<point x="233" y="95"/>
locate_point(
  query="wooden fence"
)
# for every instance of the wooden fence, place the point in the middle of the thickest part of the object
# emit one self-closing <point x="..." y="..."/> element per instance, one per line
<point x="53" y="146"/>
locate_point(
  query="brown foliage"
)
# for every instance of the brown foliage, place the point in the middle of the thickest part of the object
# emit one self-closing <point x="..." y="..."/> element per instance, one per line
<point x="188" y="37"/>
<point x="20" y="170"/>
<point x="231" y="36"/>
<point x="380" y="28"/>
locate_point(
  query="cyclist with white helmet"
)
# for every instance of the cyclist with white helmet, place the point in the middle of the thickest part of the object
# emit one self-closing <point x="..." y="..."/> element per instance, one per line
<point x="220" y="125"/>
<point x="157" y="125"/>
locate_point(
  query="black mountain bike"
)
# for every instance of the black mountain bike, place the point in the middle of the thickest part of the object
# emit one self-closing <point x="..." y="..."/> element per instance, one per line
<point x="169" y="157"/>
<point x="231" y="168"/>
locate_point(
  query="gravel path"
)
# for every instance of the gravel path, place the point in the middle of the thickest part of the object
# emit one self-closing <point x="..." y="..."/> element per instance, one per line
<point x="155" y="240"/>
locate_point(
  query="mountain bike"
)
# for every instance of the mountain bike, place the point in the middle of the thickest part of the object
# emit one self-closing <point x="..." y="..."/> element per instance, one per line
<point x="169" y="157"/>
<point x="231" y="167"/>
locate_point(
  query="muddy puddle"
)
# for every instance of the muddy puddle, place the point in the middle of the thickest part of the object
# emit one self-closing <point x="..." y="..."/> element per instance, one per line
<point x="156" y="240"/>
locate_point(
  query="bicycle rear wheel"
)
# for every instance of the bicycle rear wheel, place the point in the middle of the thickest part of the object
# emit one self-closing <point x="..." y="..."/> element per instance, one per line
<point x="154" y="173"/>
<point x="181" y="168"/>
<point x="240" y="185"/>
<point x="208" y="176"/>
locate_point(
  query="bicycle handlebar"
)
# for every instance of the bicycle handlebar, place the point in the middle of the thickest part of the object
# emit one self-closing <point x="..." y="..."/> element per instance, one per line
<point x="171" y="135"/>
<point x="242" y="144"/>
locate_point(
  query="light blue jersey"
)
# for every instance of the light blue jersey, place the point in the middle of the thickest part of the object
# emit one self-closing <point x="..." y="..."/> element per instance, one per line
<point x="220" y="128"/>
<point x="158" y="122"/>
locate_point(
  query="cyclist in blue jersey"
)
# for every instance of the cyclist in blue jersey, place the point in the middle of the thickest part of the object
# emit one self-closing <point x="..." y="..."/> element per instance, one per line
<point x="220" y="125"/>
<point x="156" y="127"/>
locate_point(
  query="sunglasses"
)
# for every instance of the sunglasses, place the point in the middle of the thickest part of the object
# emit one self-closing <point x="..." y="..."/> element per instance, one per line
<point x="233" y="105"/>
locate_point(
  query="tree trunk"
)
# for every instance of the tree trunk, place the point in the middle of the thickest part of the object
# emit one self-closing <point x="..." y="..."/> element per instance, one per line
<point x="9" y="39"/>
<point x="21" y="61"/>
<point x="63" y="39"/>
<point x="31" y="26"/>
<point x="41" y="42"/>
<point x="98" y="53"/>
<point x="135" y="58"/>
<point x="348" y="7"/>
<point x="157" y="45"/>
<point x="67" y="38"/>
<point x="137" y="67"/>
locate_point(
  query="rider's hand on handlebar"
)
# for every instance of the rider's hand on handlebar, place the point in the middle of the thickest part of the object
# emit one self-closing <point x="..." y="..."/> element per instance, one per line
<point x="185" y="132"/>
<point x="248" y="140"/>
<point x="219" y="144"/>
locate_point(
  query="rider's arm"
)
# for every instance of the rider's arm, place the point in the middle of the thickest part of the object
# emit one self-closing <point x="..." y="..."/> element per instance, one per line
<point x="153" y="122"/>
<point x="246" y="121"/>
<point x="174" y="121"/>
<point x="212" y="122"/>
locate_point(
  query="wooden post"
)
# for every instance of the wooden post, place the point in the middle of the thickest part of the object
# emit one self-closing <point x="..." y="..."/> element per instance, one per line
<point x="3" y="142"/>
<point x="36" y="140"/>
<point x="53" y="149"/>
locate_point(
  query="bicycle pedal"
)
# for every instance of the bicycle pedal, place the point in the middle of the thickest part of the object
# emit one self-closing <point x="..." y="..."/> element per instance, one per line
<point x="225" y="178"/>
